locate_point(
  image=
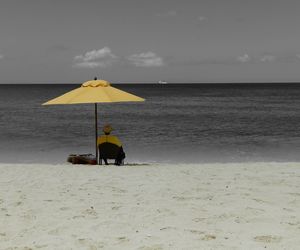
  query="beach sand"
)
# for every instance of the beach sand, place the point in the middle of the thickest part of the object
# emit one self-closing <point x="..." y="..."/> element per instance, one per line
<point x="156" y="206"/>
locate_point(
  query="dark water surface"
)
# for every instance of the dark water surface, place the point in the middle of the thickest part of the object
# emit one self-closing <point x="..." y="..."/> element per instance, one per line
<point x="177" y="123"/>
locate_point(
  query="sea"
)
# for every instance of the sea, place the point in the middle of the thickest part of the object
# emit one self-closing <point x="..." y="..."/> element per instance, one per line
<point x="178" y="123"/>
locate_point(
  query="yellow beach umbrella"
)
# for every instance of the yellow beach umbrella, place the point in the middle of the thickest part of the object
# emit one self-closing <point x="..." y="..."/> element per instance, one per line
<point x="96" y="91"/>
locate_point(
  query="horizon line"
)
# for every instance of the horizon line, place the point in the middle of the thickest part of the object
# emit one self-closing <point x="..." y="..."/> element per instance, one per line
<point x="155" y="83"/>
<point x="242" y="82"/>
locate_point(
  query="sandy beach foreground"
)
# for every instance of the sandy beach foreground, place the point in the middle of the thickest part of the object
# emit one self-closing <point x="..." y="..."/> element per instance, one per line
<point x="207" y="206"/>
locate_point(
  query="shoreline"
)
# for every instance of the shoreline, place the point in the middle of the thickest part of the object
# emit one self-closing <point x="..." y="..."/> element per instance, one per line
<point x="155" y="206"/>
<point x="153" y="163"/>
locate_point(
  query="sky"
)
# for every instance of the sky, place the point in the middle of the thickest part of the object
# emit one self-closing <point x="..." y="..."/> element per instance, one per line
<point x="141" y="41"/>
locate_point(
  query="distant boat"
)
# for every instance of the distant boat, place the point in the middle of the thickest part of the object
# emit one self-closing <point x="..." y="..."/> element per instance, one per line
<point x="162" y="82"/>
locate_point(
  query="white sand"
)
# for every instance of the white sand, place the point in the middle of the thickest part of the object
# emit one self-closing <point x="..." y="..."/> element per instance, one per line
<point x="211" y="206"/>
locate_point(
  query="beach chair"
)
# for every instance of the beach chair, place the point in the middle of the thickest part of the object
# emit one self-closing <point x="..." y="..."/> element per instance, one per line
<point x="108" y="151"/>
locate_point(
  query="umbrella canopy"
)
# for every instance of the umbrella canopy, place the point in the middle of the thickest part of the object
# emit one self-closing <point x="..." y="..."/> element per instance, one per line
<point x="96" y="91"/>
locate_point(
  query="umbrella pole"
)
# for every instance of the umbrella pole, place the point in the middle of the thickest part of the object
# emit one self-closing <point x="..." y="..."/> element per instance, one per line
<point x="96" y="132"/>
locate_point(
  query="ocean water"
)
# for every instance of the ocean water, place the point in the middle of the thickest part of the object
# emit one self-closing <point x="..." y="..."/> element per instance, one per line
<point x="177" y="123"/>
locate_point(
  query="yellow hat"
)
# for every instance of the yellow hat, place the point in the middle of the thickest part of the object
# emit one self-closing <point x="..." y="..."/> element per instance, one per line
<point x="107" y="128"/>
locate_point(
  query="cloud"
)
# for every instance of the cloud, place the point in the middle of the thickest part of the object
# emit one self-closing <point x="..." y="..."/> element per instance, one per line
<point x="104" y="57"/>
<point x="96" y="58"/>
<point x="288" y="58"/>
<point x="268" y="58"/>
<point x="170" y="13"/>
<point x="148" y="59"/>
<point x="244" y="58"/>
<point x="201" y="18"/>
<point x="265" y="58"/>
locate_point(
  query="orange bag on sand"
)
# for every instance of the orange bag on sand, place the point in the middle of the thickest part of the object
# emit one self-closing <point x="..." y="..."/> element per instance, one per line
<point x="82" y="159"/>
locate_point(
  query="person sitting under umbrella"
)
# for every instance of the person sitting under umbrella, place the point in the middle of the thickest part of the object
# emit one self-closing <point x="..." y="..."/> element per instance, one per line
<point x="110" y="146"/>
